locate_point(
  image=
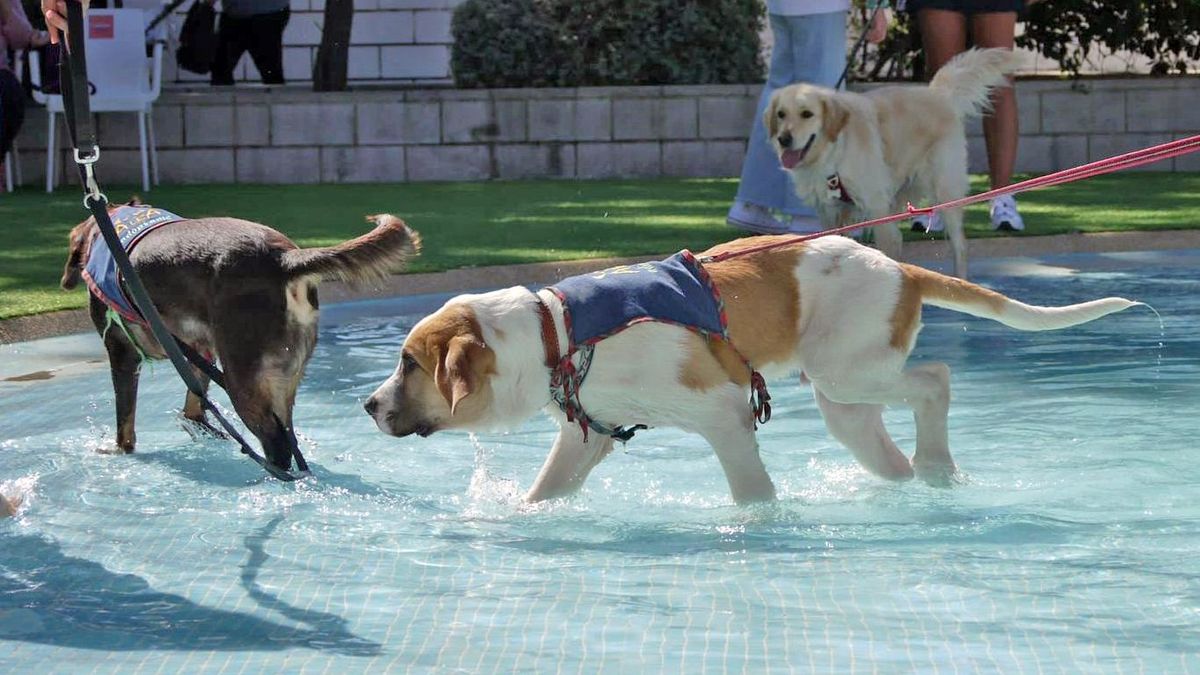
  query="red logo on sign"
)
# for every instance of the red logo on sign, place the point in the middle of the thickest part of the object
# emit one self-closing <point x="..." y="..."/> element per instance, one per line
<point x="100" y="27"/>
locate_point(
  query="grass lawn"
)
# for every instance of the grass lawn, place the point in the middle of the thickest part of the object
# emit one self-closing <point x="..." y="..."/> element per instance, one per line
<point x="496" y="223"/>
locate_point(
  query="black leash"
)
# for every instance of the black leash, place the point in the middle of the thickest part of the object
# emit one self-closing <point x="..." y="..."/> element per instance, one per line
<point x="857" y="46"/>
<point x="73" y="74"/>
<point x="162" y="16"/>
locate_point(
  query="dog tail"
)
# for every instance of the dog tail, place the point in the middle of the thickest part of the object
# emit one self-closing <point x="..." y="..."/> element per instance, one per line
<point x="371" y="257"/>
<point x="940" y="290"/>
<point x="968" y="79"/>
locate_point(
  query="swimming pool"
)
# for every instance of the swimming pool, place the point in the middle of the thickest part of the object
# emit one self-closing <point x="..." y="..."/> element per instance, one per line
<point x="1071" y="545"/>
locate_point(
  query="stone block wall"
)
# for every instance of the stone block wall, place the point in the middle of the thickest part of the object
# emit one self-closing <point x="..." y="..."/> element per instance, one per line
<point x="293" y="136"/>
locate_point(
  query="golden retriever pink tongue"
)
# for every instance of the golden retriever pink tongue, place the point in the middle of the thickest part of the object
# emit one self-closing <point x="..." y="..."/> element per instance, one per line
<point x="790" y="158"/>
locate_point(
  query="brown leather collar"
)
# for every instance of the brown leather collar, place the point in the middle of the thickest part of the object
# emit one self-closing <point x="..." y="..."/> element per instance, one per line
<point x="549" y="334"/>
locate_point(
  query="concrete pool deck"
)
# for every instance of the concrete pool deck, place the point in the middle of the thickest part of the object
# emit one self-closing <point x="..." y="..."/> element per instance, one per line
<point x="65" y="339"/>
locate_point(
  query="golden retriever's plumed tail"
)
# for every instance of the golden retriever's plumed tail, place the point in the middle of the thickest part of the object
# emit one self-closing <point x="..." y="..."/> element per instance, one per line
<point x="963" y="296"/>
<point x="371" y="257"/>
<point x="968" y="79"/>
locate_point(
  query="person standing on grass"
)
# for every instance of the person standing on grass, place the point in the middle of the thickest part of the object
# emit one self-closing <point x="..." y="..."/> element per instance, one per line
<point x="255" y="26"/>
<point x="945" y="26"/>
<point x="15" y="33"/>
<point x="809" y="46"/>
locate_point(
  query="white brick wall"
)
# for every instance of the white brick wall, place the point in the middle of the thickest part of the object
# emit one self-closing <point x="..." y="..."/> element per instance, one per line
<point x="396" y="41"/>
<point x="288" y="135"/>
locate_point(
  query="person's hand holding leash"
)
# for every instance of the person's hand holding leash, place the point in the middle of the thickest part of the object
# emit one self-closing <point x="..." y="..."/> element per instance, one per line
<point x="877" y="29"/>
<point x="55" y="12"/>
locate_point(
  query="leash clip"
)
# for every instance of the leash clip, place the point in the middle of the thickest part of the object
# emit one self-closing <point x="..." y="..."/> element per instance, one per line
<point x="94" y="195"/>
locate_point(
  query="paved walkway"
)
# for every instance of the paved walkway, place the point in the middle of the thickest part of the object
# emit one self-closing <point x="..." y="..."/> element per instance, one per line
<point x="931" y="253"/>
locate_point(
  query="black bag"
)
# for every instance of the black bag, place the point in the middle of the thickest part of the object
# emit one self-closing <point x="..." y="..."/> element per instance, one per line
<point x="198" y="39"/>
<point x="48" y="56"/>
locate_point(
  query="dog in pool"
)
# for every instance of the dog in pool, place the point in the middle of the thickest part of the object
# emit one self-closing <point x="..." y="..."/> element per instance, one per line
<point x="682" y="343"/>
<point x="231" y="289"/>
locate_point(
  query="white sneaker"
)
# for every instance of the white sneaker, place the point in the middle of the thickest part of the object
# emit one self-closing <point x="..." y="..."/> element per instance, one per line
<point x="927" y="223"/>
<point x="754" y="218"/>
<point x="1005" y="216"/>
<point x="804" y="225"/>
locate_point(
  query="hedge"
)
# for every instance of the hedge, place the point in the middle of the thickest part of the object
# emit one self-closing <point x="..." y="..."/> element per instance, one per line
<point x="569" y="43"/>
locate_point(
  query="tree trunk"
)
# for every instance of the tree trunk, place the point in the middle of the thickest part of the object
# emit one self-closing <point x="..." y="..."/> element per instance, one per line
<point x="329" y="71"/>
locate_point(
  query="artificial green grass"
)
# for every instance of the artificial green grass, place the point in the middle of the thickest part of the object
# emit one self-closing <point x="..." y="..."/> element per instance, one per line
<point x="496" y="223"/>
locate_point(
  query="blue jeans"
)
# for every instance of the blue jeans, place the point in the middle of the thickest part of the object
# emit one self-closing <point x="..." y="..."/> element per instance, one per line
<point x="809" y="48"/>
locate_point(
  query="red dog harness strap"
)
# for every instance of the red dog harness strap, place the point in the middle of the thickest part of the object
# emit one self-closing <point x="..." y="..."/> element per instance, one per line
<point x="837" y="190"/>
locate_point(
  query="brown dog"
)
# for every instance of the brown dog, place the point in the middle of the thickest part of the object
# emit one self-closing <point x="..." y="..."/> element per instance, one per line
<point x="243" y="293"/>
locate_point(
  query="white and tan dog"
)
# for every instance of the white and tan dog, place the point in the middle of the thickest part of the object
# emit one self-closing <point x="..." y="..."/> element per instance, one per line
<point x="857" y="157"/>
<point x="845" y="315"/>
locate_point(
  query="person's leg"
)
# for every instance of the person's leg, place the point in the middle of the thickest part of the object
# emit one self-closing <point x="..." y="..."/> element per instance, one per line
<point x="818" y="53"/>
<point x="266" y="44"/>
<point x="763" y="183"/>
<point x="943" y="35"/>
<point x="12" y="116"/>
<point x="12" y="110"/>
<point x="988" y="30"/>
<point x="232" y="41"/>
<point x="1000" y="127"/>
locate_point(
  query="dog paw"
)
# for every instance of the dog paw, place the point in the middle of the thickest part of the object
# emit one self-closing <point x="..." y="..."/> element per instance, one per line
<point x="937" y="474"/>
<point x="202" y="428"/>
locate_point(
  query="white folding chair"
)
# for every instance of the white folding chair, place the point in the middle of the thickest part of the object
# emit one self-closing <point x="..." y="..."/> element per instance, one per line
<point x="124" y="79"/>
<point x="12" y="159"/>
<point x="12" y="168"/>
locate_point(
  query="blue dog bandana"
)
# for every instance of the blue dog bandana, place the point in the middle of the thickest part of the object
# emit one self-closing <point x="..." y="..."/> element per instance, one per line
<point x="675" y="291"/>
<point x="132" y="223"/>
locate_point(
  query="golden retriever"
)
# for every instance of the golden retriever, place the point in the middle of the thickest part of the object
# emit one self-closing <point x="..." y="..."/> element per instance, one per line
<point x="857" y="157"/>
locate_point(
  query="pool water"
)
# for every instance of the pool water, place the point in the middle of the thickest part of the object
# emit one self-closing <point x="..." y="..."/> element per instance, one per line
<point x="1071" y="544"/>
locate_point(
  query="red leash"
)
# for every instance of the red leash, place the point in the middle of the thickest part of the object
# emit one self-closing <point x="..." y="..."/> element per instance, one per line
<point x="1097" y="168"/>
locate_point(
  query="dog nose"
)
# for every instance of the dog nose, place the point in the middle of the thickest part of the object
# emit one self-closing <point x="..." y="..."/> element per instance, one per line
<point x="371" y="406"/>
<point x="785" y="140"/>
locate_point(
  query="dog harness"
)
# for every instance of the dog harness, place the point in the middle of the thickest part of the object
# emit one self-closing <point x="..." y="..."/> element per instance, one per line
<point x="836" y="190"/>
<point x="676" y="291"/>
<point x="132" y="223"/>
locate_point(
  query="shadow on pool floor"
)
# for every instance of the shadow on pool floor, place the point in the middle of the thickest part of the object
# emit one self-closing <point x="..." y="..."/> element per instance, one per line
<point x="56" y="599"/>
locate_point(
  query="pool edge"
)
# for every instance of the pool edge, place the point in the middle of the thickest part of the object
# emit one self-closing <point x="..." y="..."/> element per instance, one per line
<point x="68" y="322"/>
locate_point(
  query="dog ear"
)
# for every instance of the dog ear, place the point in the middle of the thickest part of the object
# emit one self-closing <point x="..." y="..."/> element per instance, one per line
<point x="770" y="121"/>
<point x="834" y="115"/>
<point x="72" y="271"/>
<point x="134" y="201"/>
<point x="459" y="370"/>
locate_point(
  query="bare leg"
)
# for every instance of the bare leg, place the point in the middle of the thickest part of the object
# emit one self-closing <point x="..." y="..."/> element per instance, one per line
<point x="1000" y="130"/>
<point x="943" y="34"/>
<point x="569" y="462"/>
